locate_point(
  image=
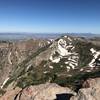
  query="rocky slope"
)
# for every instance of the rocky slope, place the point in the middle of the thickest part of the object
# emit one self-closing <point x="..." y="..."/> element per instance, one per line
<point x="67" y="61"/>
<point x="48" y="91"/>
<point x="90" y="90"/>
<point x="52" y="91"/>
<point x="14" y="53"/>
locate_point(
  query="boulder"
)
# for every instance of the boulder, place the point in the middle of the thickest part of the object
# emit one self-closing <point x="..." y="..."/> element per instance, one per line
<point x="48" y="91"/>
<point x="90" y="90"/>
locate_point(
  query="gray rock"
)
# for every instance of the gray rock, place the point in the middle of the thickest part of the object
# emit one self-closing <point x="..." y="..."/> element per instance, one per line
<point x="48" y="91"/>
<point x="90" y="93"/>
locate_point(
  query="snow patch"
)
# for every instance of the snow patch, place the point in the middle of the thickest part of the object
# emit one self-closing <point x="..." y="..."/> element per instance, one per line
<point x="45" y="72"/>
<point x="95" y="56"/>
<point x="28" y="67"/>
<point x="51" y="67"/>
<point x="4" y="82"/>
<point x="51" y="40"/>
<point x="9" y="60"/>
<point x="48" y="42"/>
<point x="70" y="64"/>
<point x="65" y="36"/>
<point x="66" y="63"/>
<point x="81" y="69"/>
<point x="92" y="50"/>
<point x="54" y="60"/>
<point x="61" y="48"/>
<point x="69" y="39"/>
<point x="68" y="68"/>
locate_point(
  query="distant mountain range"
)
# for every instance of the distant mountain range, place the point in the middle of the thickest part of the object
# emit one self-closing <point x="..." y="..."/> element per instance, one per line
<point x="21" y="36"/>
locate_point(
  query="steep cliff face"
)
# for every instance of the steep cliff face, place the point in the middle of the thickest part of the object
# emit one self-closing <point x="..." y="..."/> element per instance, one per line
<point x="67" y="61"/>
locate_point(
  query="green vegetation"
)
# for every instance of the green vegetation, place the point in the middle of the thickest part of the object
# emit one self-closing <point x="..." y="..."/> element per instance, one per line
<point x="85" y="56"/>
<point x="76" y="80"/>
<point x="2" y="92"/>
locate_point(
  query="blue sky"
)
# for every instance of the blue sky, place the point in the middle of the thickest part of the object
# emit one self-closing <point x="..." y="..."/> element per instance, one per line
<point x="50" y="16"/>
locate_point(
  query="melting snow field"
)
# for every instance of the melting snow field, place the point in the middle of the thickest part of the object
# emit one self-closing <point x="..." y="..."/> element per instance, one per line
<point x="62" y="48"/>
<point x="65" y="49"/>
<point x="64" y="52"/>
<point x="95" y="56"/>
